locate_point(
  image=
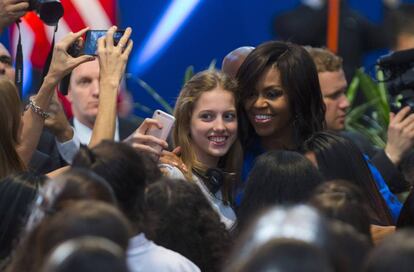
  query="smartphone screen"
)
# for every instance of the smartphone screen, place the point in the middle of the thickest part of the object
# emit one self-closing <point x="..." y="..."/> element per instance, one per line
<point x="91" y="40"/>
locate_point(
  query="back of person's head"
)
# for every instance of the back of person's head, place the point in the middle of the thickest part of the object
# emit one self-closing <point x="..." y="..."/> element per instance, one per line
<point x="86" y="254"/>
<point x="285" y="255"/>
<point x="346" y="247"/>
<point x="124" y="170"/>
<point x="325" y="60"/>
<point x="233" y="60"/>
<point x="406" y="217"/>
<point x="395" y="253"/>
<point x="343" y="201"/>
<point x="84" y="184"/>
<point x="277" y="177"/>
<point x="298" y="77"/>
<point x="181" y="218"/>
<point x="17" y="195"/>
<point x="9" y="128"/>
<point x="74" y="184"/>
<point x="77" y="219"/>
<point x="339" y="158"/>
<point x="298" y="222"/>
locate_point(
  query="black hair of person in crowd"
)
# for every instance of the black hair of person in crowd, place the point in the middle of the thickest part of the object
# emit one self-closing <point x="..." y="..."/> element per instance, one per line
<point x="76" y="219"/>
<point x="287" y="255"/>
<point x="343" y="201"/>
<point x="89" y="253"/>
<point x="125" y="170"/>
<point x="181" y="219"/>
<point x="277" y="177"/>
<point x="52" y="197"/>
<point x="406" y="218"/>
<point x="394" y="254"/>
<point x="339" y="158"/>
<point x="18" y="193"/>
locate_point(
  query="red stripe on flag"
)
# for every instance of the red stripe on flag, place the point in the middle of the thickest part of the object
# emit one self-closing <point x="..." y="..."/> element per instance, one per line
<point x="72" y="17"/>
<point x="41" y="45"/>
<point x="110" y="8"/>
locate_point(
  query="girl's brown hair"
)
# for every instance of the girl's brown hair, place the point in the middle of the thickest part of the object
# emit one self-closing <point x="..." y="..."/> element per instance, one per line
<point x="203" y="82"/>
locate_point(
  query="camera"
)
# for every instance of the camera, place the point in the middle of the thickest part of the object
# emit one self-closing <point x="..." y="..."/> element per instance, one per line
<point x="398" y="68"/>
<point x="49" y="11"/>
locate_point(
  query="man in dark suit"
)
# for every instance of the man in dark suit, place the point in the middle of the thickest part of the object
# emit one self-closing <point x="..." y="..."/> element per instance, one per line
<point x="61" y="140"/>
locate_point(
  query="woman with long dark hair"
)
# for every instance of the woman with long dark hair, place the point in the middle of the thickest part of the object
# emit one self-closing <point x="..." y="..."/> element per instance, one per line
<point x="280" y="101"/>
<point x="278" y="177"/>
<point x="339" y="158"/>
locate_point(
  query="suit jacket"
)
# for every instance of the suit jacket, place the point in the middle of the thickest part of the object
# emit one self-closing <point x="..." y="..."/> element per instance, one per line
<point x="47" y="157"/>
<point x="391" y="174"/>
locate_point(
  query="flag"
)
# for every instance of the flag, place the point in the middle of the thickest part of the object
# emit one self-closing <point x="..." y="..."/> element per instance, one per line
<point x="37" y="37"/>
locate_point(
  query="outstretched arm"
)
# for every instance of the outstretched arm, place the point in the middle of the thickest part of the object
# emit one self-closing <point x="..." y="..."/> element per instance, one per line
<point x="112" y="63"/>
<point x="62" y="63"/>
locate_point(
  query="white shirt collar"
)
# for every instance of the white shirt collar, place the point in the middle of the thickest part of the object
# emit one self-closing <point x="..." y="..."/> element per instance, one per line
<point x="84" y="133"/>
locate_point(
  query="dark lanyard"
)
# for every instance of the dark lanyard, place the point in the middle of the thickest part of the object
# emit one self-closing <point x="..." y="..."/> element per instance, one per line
<point x="19" y="61"/>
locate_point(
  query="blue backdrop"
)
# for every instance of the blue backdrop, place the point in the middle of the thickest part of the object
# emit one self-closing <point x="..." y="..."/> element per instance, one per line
<point x="203" y="30"/>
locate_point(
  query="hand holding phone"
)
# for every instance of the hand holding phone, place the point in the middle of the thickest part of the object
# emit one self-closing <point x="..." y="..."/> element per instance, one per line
<point x="167" y="122"/>
<point x="91" y="40"/>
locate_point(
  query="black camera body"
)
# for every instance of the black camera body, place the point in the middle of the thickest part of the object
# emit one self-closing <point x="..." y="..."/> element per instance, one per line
<point x="398" y="68"/>
<point x="49" y="11"/>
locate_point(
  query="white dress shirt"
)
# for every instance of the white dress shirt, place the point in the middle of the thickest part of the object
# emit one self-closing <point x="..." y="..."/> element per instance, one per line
<point x="81" y="135"/>
<point x="144" y="255"/>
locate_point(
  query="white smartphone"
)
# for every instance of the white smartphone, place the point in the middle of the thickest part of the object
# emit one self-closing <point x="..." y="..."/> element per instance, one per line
<point x="167" y="121"/>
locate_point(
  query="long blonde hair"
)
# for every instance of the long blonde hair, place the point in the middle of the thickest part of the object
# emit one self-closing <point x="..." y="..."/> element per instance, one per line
<point x="10" y="119"/>
<point x="203" y="82"/>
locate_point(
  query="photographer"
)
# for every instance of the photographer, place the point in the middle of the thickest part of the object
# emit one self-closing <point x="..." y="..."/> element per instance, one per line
<point x="400" y="132"/>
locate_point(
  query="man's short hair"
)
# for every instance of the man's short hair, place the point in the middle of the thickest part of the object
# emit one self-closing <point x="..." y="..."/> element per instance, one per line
<point x="325" y="60"/>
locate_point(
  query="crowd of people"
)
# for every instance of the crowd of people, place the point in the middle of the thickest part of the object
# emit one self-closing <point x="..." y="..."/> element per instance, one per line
<point x="259" y="174"/>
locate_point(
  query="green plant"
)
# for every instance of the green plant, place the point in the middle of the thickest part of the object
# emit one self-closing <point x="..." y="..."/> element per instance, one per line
<point x="372" y="117"/>
<point x="189" y="72"/>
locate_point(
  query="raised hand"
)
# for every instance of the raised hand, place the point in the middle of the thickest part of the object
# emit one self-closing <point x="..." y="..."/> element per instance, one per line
<point x="11" y="11"/>
<point x="57" y="122"/>
<point x="113" y="58"/>
<point x="400" y="135"/>
<point x="142" y="142"/>
<point x="62" y="63"/>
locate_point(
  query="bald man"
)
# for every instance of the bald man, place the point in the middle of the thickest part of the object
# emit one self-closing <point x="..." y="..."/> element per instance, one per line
<point x="233" y="60"/>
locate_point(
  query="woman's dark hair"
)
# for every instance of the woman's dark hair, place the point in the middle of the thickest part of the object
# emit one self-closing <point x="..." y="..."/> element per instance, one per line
<point x="287" y="255"/>
<point x="298" y="77"/>
<point x="343" y="201"/>
<point x="183" y="220"/>
<point x="17" y="194"/>
<point x="82" y="184"/>
<point x="394" y="254"/>
<point x="125" y="171"/>
<point x="277" y="177"/>
<point x="406" y="217"/>
<point x="299" y="222"/>
<point x="77" y="219"/>
<point x="339" y="158"/>
<point x="74" y="184"/>
<point x="347" y="247"/>
<point x="89" y="253"/>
